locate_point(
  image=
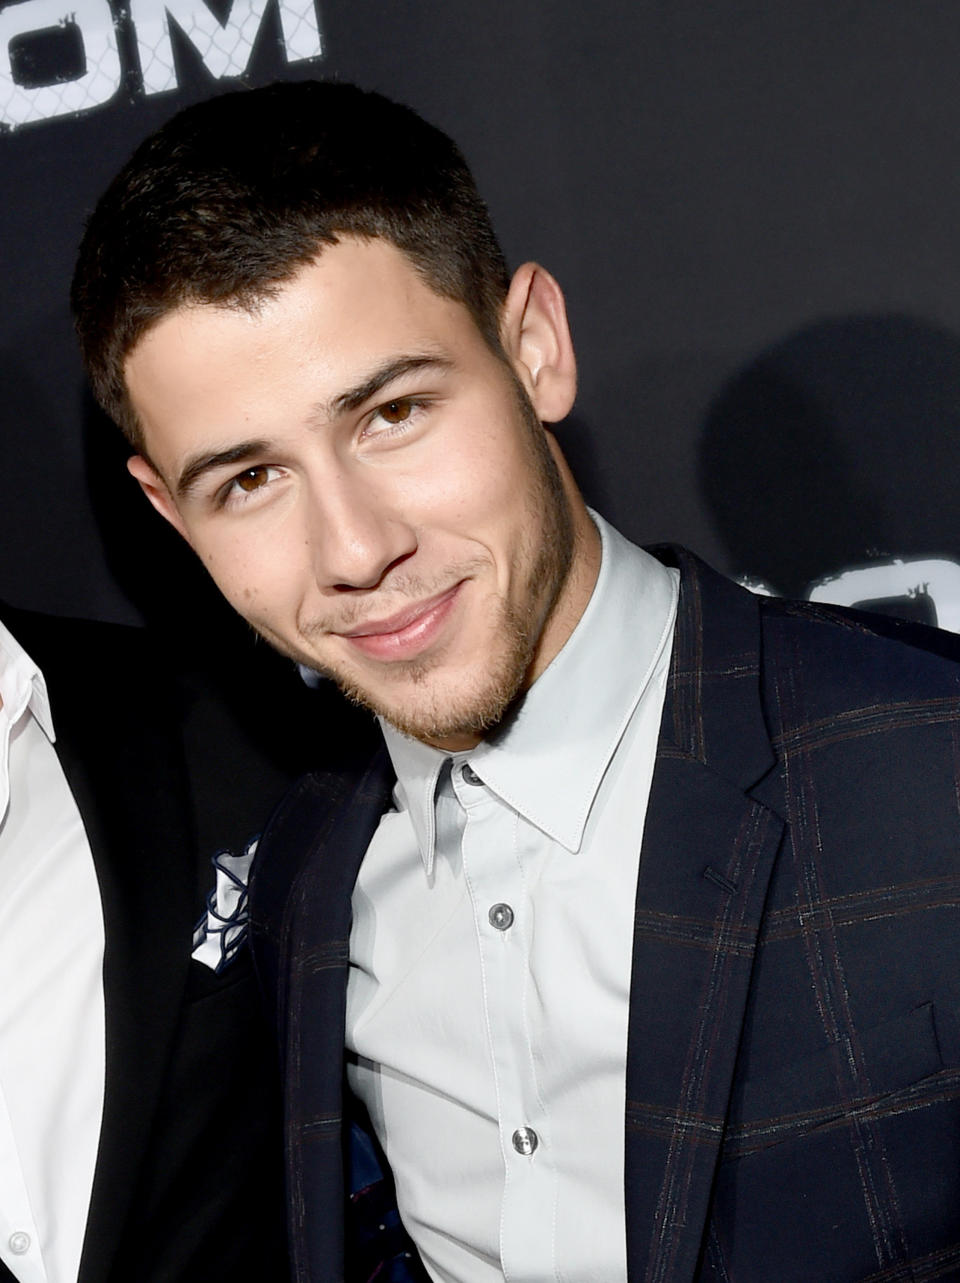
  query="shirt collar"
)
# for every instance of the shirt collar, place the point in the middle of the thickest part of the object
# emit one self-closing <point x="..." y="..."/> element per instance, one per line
<point x="22" y="685"/>
<point x="550" y="760"/>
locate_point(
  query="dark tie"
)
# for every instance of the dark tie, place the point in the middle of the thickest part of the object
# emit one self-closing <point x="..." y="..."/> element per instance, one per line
<point x="5" y="1275"/>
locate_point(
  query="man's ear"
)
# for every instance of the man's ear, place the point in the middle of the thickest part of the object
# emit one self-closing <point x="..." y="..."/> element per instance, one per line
<point x="536" y="338"/>
<point x="156" y="490"/>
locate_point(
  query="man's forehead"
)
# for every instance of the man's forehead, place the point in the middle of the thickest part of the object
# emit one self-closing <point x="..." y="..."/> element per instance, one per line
<point x="351" y="291"/>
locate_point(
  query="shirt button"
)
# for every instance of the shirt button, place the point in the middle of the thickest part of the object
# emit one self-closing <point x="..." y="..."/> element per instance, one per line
<point x="501" y="916"/>
<point x="469" y="775"/>
<point x="19" y="1243"/>
<point x="525" y="1141"/>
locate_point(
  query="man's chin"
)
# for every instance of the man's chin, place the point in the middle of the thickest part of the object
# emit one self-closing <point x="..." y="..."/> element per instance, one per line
<point x="443" y="714"/>
<point x="431" y="725"/>
<point x="437" y="698"/>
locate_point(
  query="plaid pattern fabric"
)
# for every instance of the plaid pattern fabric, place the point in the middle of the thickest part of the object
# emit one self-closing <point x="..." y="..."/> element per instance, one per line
<point x="793" y="1067"/>
<point x="793" y="1111"/>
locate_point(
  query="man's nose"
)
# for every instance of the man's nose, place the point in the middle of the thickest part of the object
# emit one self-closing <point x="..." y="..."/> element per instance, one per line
<point x="355" y="533"/>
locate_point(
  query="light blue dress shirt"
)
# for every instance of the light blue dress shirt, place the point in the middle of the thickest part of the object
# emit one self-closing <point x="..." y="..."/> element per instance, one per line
<point x="488" y="998"/>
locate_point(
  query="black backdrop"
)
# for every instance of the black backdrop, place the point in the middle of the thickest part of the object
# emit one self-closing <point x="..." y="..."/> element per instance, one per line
<point x="754" y="209"/>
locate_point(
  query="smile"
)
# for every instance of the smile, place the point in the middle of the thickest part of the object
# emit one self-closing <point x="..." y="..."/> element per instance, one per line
<point x="407" y="633"/>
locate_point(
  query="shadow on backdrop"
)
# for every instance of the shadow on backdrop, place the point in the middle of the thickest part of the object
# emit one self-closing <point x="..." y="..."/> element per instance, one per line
<point x="579" y="442"/>
<point x="837" y="450"/>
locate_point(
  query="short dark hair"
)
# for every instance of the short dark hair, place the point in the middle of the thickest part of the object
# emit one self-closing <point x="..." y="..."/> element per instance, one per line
<point x="233" y="196"/>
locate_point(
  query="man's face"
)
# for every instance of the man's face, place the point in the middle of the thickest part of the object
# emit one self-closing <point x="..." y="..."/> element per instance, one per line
<point x="368" y="484"/>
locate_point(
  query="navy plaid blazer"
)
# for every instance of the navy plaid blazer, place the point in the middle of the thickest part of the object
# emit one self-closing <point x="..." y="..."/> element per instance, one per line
<point x="793" y="1063"/>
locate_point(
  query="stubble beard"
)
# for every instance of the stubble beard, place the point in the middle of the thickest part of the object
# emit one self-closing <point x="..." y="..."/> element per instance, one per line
<point x="436" y="714"/>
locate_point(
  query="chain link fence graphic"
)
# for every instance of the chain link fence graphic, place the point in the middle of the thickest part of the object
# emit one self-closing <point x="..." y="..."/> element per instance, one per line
<point x="22" y="104"/>
<point x="224" y="47"/>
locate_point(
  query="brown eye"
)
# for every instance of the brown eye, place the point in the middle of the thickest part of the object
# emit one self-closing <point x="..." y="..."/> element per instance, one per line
<point x="396" y="411"/>
<point x="252" y="479"/>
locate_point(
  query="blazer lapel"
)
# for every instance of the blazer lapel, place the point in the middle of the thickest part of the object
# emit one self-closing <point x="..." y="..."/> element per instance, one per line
<point x="329" y="819"/>
<point x="127" y="776"/>
<point x="707" y="855"/>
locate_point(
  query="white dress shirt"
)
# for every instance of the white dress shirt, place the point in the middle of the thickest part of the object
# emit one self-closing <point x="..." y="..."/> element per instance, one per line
<point x="488" y="999"/>
<point x="52" y="1050"/>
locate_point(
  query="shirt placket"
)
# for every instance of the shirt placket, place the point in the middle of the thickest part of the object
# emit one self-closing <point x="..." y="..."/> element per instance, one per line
<point x="498" y="891"/>
<point x="19" y="1239"/>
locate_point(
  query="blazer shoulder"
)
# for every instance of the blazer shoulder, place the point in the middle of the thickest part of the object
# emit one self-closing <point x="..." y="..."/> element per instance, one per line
<point x="816" y="628"/>
<point x="861" y="653"/>
<point x="872" y="702"/>
<point x="809" y="663"/>
<point x="890" y="628"/>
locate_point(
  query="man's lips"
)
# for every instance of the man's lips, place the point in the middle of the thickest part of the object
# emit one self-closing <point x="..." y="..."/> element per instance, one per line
<point x="408" y="632"/>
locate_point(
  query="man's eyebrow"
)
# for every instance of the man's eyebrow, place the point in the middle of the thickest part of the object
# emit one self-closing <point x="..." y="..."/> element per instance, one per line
<point x="357" y="396"/>
<point x="198" y="464"/>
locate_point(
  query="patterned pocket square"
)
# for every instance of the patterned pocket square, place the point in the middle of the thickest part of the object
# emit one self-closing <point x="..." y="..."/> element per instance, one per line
<point x="221" y="931"/>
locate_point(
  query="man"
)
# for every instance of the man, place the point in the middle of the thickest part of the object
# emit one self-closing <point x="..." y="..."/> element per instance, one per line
<point x="138" y="1095"/>
<point x="641" y="928"/>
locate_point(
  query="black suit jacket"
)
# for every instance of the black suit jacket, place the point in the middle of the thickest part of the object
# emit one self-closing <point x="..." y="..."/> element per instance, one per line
<point x="793" y="1062"/>
<point x="188" y="1179"/>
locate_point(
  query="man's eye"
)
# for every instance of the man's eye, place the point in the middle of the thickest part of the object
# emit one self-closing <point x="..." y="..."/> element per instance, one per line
<point x="252" y="479"/>
<point x="246" y="483"/>
<point x="396" y="411"/>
